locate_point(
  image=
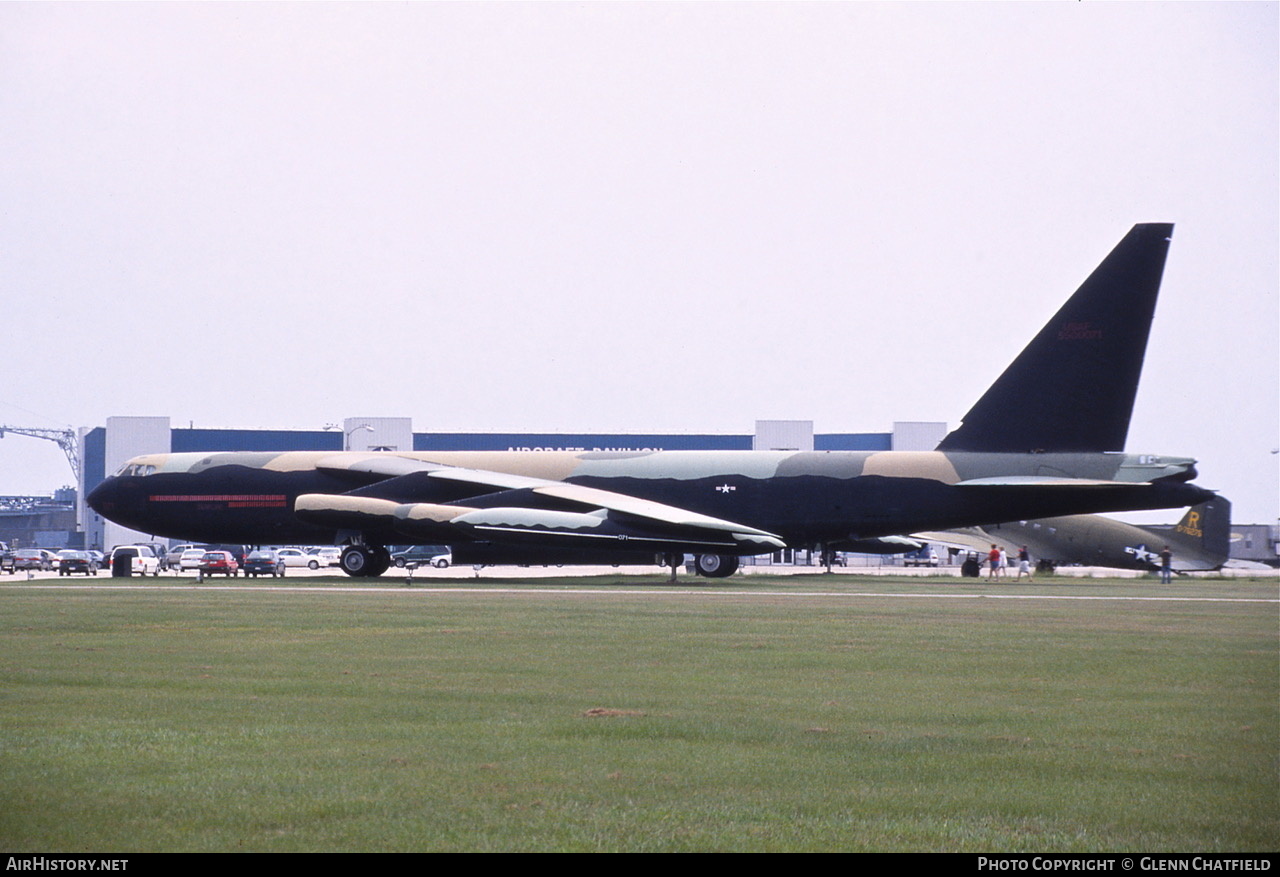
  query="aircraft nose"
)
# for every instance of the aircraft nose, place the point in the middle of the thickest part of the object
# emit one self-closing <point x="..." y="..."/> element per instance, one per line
<point x="113" y="496"/>
<point x="99" y="498"/>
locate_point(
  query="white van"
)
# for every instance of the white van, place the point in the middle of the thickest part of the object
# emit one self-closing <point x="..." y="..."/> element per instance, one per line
<point x="143" y="559"/>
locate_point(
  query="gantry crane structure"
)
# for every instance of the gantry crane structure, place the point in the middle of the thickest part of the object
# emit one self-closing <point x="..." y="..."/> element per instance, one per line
<point x="65" y="438"/>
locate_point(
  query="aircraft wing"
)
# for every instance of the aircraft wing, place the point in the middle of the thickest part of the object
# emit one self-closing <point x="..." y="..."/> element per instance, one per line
<point x="878" y="545"/>
<point x="525" y="509"/>
<point x="1041" y="481"/>
<point x="969" y="539"/>
<point x="387" y="466"/>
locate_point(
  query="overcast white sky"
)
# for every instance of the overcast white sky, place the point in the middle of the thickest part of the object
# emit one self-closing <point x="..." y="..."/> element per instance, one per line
<point x="627" y="217"/>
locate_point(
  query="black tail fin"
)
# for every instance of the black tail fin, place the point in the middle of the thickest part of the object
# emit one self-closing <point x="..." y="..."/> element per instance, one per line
<point x="1209" y="526"/>
<point x="1072" y="388"/>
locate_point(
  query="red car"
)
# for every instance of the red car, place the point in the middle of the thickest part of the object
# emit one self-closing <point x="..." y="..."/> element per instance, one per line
<point x="223" y="562"/>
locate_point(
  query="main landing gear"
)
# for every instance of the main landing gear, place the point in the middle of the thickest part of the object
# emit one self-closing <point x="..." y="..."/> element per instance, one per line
<point x="365" y="561"/>
<point x="715" y="566"/>
<point x="712" y="566"/>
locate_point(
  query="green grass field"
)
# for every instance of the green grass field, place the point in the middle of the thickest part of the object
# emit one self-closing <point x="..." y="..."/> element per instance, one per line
<point x="797" y="713"/>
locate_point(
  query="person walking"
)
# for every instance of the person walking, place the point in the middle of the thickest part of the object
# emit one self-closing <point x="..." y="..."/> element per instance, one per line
<point x="1024" y="562"/>
<point x="1166" y="566"/>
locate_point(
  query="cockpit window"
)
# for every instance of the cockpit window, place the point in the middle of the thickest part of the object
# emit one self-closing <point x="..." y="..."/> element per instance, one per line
<point x="136" y="469"/>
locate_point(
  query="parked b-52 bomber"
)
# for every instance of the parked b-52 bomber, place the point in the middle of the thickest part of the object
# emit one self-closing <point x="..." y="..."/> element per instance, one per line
<point x="1045" y="440"/>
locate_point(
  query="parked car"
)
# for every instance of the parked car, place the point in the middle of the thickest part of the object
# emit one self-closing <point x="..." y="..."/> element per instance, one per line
<point x="141" y="559"/>
<point x="264" y="562"/>
<point x="6" y="557"/>
<point x="161" y="551"/>
<point x="219" y="562"/>
<point x="191" y="559"/>
<point x="33" y="558"/>
<point x="239" y="552"/>
<point x="296" y="557"/>
<point x="173" y="557"/>
<point x="419" y="555"/>
<point x="70" y="562"/>
<point x="328" y="556"/>
<point x="924" y="557"/>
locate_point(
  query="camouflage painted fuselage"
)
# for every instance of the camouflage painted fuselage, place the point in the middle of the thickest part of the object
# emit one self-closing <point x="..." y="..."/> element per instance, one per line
<point x="804" y="498"/>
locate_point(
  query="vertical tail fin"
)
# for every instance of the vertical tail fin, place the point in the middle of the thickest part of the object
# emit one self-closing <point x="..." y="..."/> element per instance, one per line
<point x="1208" y="527"/>
<point x="1072" y="388"/>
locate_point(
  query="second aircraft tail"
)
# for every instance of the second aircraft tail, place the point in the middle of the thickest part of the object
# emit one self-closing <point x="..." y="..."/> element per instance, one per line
<point x="1206" y="527"/>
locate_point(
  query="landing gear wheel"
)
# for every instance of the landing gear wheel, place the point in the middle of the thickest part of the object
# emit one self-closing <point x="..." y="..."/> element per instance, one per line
<point x="356" y="560"/>
<point x="381" y="561"/>
<point x="715" y="566"/>
<point x="364" y="561"/>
